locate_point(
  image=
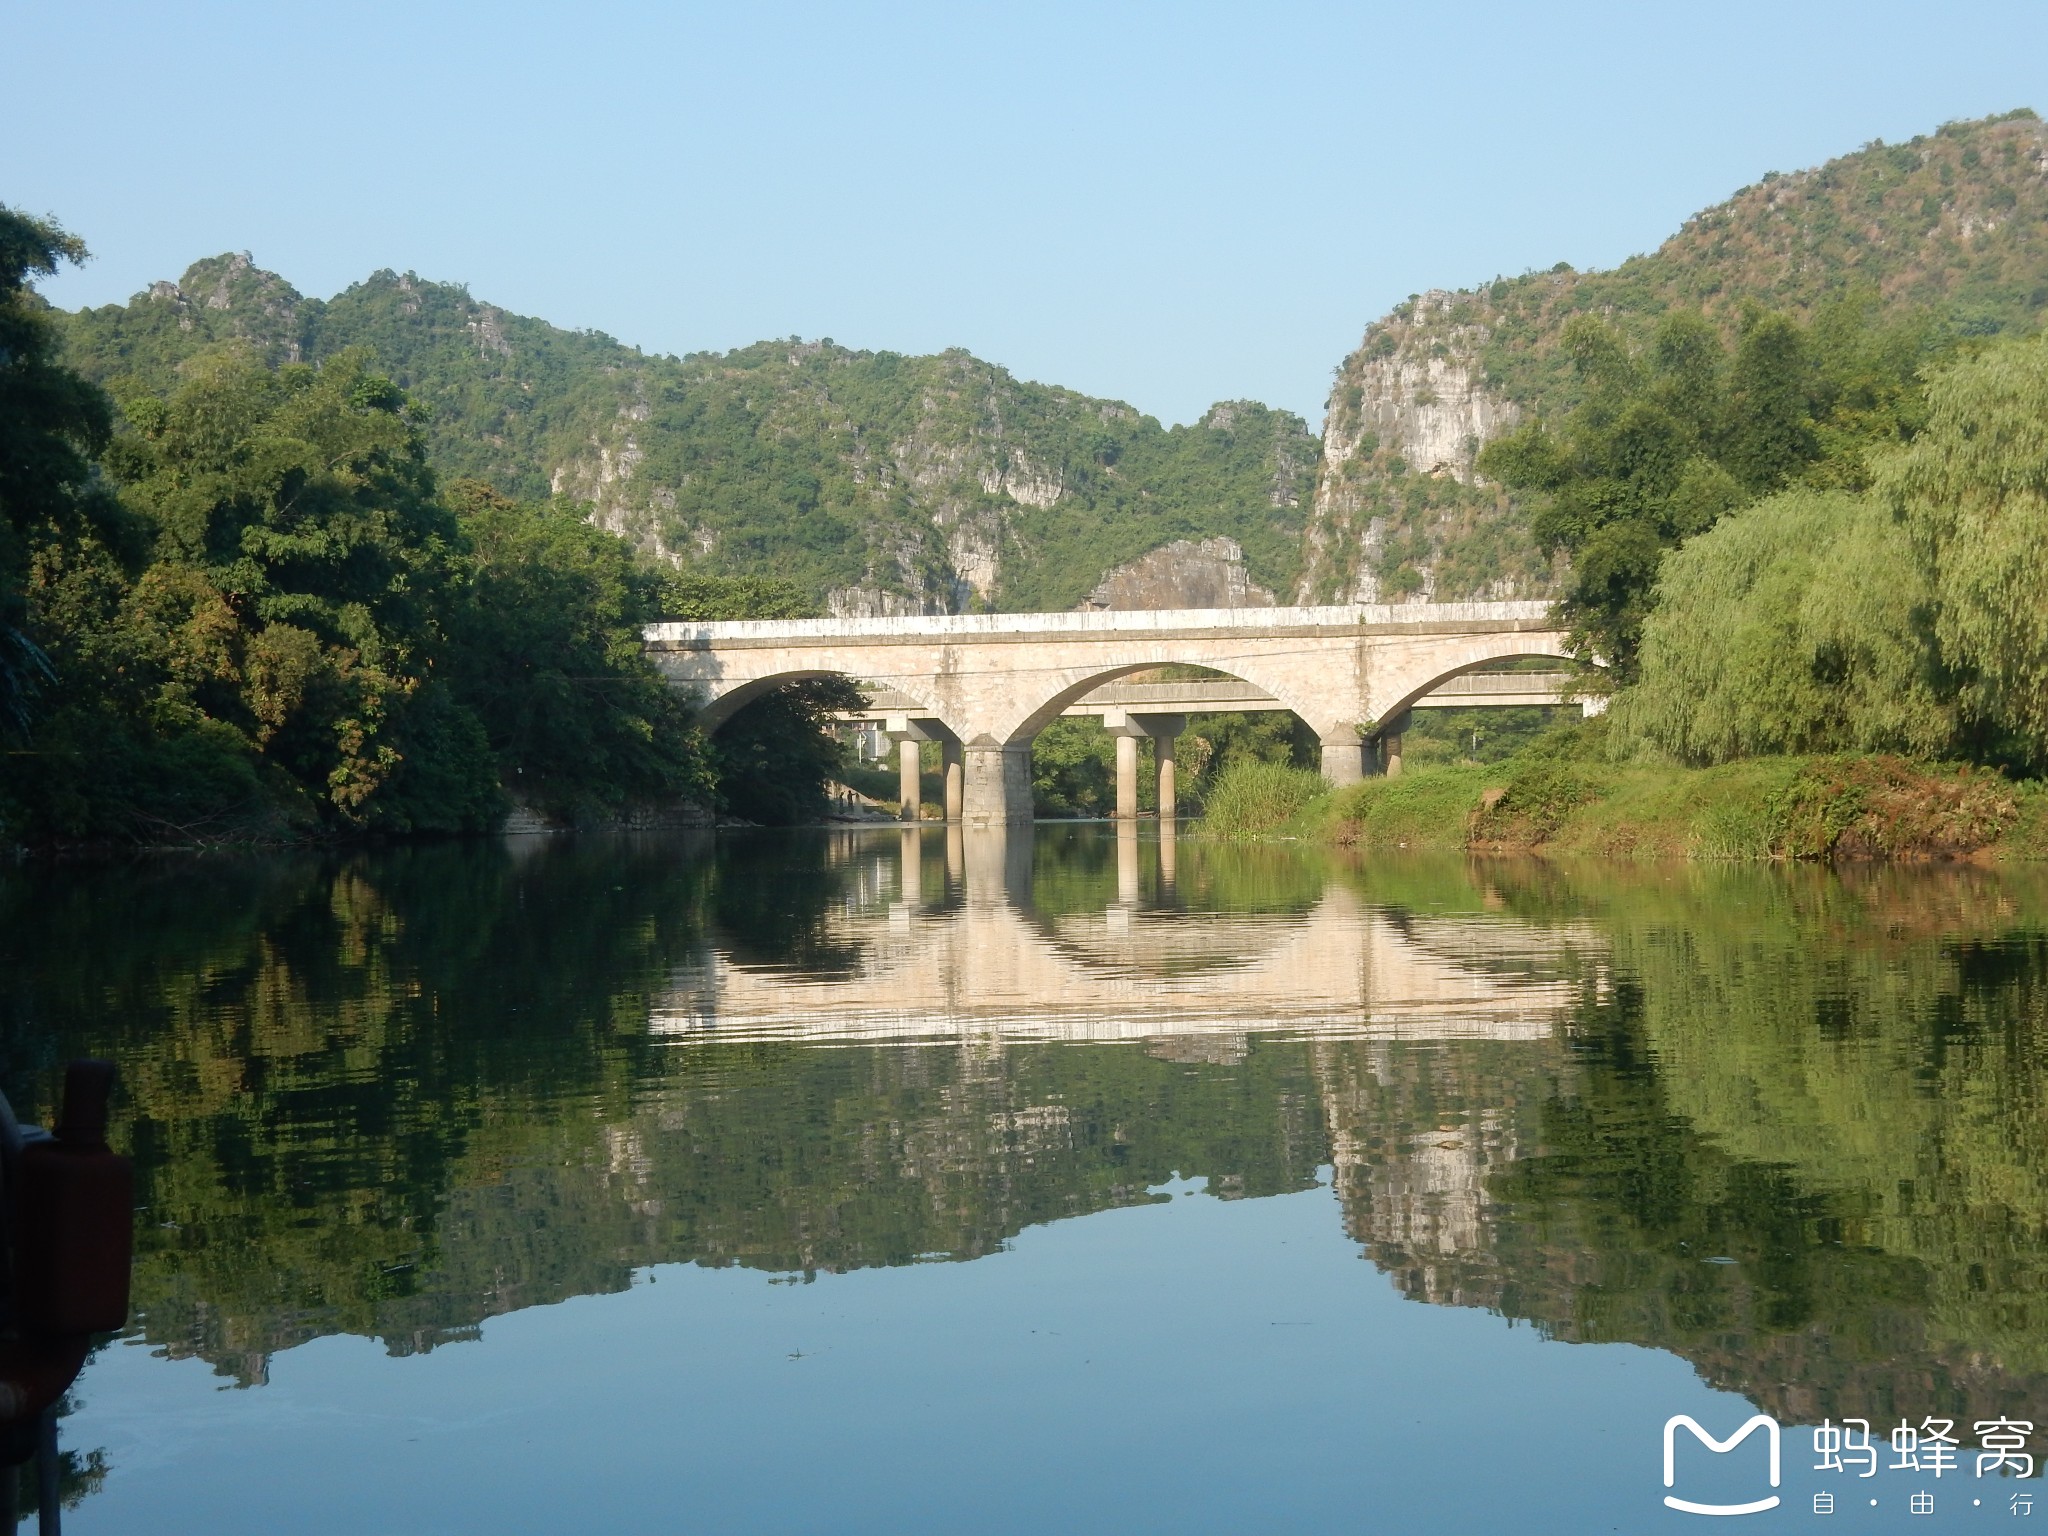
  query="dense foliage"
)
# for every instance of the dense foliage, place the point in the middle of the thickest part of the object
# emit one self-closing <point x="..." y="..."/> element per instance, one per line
<point x="52" y="425"/>
<point x="1667" y="438"/>
<point x="242" y="607"/>
<point x="1972" y="493"/>
<point x="1795" y="626"/>
<point x="1903" y="617"/>
<point x="545" y="650"/>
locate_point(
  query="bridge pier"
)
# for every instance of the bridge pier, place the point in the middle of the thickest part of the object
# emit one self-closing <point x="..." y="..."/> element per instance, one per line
<point x="1129" y="729"/>
<point x="956" y="778"/>
<point x="998" y="787"/>
<point x="1390" y="746"/>
<point x="1343" y="756"/>
<point x="909" y="793"/>
<point x="1169" y="786"/>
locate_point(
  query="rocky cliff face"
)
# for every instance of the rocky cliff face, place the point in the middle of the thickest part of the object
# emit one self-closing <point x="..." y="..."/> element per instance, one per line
<point x="1400" y="511"/>
<point x="1416" y="386"/>
<point x="1209" y="573"/>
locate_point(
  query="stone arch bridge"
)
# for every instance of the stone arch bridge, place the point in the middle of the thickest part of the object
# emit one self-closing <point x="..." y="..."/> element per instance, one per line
<point x="985" y="684"/>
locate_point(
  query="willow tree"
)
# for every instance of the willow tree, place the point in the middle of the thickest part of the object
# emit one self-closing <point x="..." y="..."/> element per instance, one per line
<point x="1973" y="494"/>
<point x="1799" y="624"/>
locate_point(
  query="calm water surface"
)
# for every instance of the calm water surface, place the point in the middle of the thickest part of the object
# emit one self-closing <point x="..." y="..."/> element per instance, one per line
<point x="871" y="1181"/>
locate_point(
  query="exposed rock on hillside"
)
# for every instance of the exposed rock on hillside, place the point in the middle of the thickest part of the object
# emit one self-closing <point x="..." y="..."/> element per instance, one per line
<point x="1400" y="513"/>
<point x="1419" y="390"/>
<point x="1184" y="574"/>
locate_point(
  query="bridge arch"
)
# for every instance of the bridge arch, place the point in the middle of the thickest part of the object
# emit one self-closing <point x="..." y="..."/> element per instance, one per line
<point x="720" y="707"/>
<point x="1077" y="683"/>
<point x="1423" y="681"/>
<point x="993" y="680"/>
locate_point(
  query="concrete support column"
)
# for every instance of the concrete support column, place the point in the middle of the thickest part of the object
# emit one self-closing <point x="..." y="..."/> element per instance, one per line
<point x="956" y="779"/>
<point x="1128" y="729"/>
<point x="1169" y="784"/>
<point x="908" y="770"/>
<point x="998" y="788"/>
<point x="1343" y="756"/>
<point x="1126" y="778"/>
<point x="1390" y="745"/>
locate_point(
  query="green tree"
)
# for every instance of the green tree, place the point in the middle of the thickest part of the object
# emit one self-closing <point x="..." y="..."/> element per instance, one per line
<point x="1795" y="625"/>
<point x="53" y="425"/>
<point x="545" y="649"/>
<point x="777" y="755"/>
<point x="1073" y="768"/>
<point x="301" y="567"/>
<point x="1668" y="439"/>
<point x="272" y="662"/>
<point x="1973" y="491"/>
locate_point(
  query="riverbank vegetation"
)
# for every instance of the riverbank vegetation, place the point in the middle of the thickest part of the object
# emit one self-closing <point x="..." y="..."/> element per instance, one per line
<point x="1567" y="794"/>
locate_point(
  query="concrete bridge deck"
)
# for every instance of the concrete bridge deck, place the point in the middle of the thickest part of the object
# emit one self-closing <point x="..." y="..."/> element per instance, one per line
<point x="983" y="685"/>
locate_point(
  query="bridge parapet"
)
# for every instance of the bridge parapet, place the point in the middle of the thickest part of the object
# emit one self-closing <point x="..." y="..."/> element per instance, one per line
<point x="1350" y="619"/>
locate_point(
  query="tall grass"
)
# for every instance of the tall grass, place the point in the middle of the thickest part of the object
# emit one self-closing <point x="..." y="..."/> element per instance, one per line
<point x="1254" y="799"/>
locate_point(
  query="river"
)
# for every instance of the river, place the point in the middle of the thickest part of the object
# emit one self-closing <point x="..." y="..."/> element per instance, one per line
<point x="868" y="1180"/>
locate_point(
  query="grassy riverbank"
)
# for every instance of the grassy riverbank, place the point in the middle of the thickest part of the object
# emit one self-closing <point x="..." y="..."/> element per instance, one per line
<point x="1561" y="795"/>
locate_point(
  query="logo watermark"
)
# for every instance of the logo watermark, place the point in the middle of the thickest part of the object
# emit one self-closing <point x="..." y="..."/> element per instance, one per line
<point x="1931" y="1448"/>
<point x="1762" y="1421"/>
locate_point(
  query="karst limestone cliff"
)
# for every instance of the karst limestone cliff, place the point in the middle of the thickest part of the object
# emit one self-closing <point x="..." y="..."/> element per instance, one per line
<point x="1187" y="573"/>
<point x="1401" y="513"/>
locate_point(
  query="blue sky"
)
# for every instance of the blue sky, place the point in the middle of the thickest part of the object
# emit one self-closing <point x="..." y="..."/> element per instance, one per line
<point x="1170" y="204"/>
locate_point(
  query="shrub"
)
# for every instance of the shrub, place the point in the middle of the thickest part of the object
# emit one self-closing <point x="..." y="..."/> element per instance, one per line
<point x="1251" y="799"/>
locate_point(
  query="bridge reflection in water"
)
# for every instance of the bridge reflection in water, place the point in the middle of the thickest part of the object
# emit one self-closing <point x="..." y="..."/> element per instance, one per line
<point x="1783" y="1123"/>
<point x="953" y="940"/>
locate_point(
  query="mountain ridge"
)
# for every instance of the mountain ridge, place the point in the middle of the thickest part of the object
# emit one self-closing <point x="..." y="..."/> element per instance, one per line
<point x="885" y="482"/>
<point x="1952" y="224"/>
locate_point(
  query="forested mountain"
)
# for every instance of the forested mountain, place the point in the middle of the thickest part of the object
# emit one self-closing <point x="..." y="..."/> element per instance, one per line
<point x="1948" y="232"/>
<point x="875" y="480"/>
